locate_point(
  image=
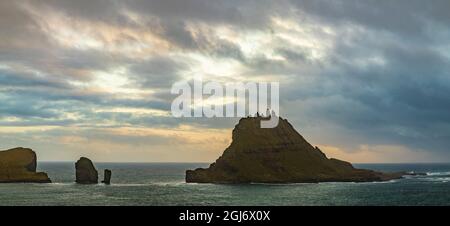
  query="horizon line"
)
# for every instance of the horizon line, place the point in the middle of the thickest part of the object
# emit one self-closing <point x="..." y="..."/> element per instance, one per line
<point x="52" y="161"/>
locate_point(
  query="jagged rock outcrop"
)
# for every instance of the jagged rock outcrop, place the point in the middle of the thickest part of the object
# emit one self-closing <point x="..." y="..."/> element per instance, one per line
<point x="107" y="176"/>
<point x="85" y="172"/>
<point x="277" y="155"/>
<point x="18" y="165"/>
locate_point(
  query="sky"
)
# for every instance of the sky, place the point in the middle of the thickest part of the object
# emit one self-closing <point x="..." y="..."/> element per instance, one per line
<point x="366" y="81"/>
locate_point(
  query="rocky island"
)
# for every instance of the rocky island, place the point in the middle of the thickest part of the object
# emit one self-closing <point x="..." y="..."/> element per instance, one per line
<point x="18" y="165"/>
<point x="85" y="172"/>
<point x="107" y="177"/>
<point x="278" y="155"/>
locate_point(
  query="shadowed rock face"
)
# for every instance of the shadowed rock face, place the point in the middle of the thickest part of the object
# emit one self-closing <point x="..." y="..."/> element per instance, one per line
<point x="19" y="165"/>
<point x="107" y="176"/>
<point x="85" y="172"/>
<point x="277" y="155"/>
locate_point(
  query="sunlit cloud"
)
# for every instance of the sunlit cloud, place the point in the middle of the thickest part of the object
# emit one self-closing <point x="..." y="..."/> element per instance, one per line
<point x="368" y="87"/>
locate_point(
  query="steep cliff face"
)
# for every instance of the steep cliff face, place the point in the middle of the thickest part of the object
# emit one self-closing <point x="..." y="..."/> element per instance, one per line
<point x="277" y="155"/>
<point x="19" y="165"/>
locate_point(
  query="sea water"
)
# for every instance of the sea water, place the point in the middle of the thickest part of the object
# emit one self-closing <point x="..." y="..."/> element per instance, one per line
<point x="163" y="184"/>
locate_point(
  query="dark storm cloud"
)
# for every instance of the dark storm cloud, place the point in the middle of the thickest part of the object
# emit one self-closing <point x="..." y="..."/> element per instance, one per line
<point x="28" y="79"/>
<point x="401" y="100"/>
<point x="157" y="72"/>
<point x="15" y="22"/>
<point x="172" y="15"/>
<point x="253" y="13"/>
<point x="407" y="18"/>
<point x="98" y="10"/>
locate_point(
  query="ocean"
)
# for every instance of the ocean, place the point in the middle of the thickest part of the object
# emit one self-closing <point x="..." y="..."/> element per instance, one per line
<point x="163" y="184"/>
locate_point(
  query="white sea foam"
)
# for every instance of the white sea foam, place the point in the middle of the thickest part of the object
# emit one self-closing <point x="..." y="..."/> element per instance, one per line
<point x="129" y="185"/>
<point x="438" y="173"/>
<point x="176" y="183"/>
<point x="60" y="183"/>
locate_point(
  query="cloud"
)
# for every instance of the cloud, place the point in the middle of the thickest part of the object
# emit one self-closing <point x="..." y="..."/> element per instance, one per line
<point x="380" y="85"/>
<point x="157" y="72"/>
<point x="352" y="73"/>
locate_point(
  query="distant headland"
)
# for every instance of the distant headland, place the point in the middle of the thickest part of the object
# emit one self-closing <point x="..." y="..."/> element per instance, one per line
<point x="278" y="155"/>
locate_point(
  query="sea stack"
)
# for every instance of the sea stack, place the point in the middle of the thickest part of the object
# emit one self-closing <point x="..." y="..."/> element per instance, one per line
<point x="86" y="172"/>
<point x="278" y="155"/>
<point x="18" y="165"/>
<point x="107" y="176"/>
